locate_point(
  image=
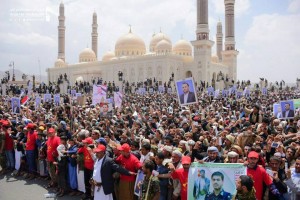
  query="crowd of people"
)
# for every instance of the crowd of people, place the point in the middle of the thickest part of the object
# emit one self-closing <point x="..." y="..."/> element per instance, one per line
<point x="82" y="153"/>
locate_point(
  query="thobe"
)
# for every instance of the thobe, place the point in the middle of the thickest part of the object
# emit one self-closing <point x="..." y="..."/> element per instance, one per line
<point x="99" y="194"/>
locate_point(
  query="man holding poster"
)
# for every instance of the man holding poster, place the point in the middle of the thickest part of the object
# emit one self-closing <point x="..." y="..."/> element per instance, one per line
<point x="182" y="175"/>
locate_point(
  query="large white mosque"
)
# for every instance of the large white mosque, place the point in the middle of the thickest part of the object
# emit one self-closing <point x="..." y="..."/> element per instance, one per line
<point x="162" y="58"/>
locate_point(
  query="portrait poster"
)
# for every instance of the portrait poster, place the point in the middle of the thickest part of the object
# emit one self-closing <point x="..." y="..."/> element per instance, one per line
<point x="118" y="98"/>
<point x="151" y="90"/>
<point x="216" y="95"/>
<point x="161" y="88"/>
<point x="277" y="111"/>
<point x="213" y="175"/>
<point x="47" y="98"/>
<point x="37" y="102"/>
<point x="287" y="109"/>
<point x="264" y="91"/>
<point x="81" y="100"/>
<point x="142" y="91"/>
<point x="99" y="94"/>
<point x="210" y="91"/>
<point x="233" y="89"/>
<point x="73" y="92"/>
<point x="170" y="90"/>
<point x="139" y="179"/>
<point x="106" y="110"/>
<point x="186" y="92"/>
<point x="225" y="93"/>
<point x="15" y="105"/>
<point x="57" y="99"/>
<point x="246" y="92"/>
<point x="238" y="94"/>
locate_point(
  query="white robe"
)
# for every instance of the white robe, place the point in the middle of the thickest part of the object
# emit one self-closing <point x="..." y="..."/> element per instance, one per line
<point x="99" y="195"/>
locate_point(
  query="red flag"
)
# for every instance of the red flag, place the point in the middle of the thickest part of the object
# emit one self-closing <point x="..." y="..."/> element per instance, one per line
<point x="24" y="100"/>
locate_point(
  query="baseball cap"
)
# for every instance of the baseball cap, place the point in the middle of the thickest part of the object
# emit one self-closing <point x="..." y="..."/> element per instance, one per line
<point x="253" y="154"/>
<point x="99" y="148"/>
<point x="186" y="160"/>
<point x="125" y="147"/>
<point x="31" y="126"/>
<point x="88" y="140"/>
<point x="51" y="130"/>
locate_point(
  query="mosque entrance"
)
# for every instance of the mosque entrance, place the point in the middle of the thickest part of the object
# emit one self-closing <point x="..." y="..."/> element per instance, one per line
<point x="188" y="74"/>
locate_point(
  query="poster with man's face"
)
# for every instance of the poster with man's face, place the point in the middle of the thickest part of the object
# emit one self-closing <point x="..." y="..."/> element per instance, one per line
<point x="15" y="105"/>
<point x="186" y="91"/>
<point x="287" y="109"/>
<point x="57" y="100"/>
<point x="47" y="98"/>
<point x="37" y="102"/>
<point x="205" y="180"/>
<point x="106" y="110"/>
<point x="277" y="111"/>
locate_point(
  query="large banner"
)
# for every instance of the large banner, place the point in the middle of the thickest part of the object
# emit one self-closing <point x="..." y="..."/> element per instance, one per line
<point x="118" y="97"/>
<point x="206" y="178"/>
<point x="99" y="94"/>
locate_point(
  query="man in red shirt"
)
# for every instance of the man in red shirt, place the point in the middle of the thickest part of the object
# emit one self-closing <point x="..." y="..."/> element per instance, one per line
<point x="132" y="164"/>
<point x="260" y="176"/>
<point x="88" y="161"/>
<point x="8" y="146"/>
<point x="182" y="175"/>
<point x="52" y="143"/>
<point x="30" y="140"/>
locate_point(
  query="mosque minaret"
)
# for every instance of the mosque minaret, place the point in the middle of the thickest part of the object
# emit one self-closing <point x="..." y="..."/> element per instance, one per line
<point x="161" y="58"/>
<point x="61" y="33"/>
<point x="95" y="35"/>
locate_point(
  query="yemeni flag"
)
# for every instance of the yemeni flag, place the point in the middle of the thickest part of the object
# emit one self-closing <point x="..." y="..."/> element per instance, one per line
<point x="24" y="100"/>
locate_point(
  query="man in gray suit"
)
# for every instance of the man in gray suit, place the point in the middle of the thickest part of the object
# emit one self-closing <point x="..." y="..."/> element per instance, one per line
<point x="187" y="96"/>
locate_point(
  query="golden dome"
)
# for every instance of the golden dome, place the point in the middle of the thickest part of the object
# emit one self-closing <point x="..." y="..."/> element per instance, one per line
<point x="182" y="47"/>
<point x="130" y="45"/>
<point x="108" y="56"/>
<point x="87" y="55"/>
<point x="163" y="47"/>
<point x="156" y="38"/>
<point x="59" y="63"/>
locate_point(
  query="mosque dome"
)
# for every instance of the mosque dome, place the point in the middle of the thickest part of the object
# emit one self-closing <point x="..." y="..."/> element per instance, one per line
<point x="156" y="38"/>
<point x="59" y="63"/>
<point x="163" y="47"/>
<point x="215" y="59"/>
<point x="183" y="48"/>
<point x="87" y="55"/>
<point x="130" y="45"/>
<point x="108" y="56"/>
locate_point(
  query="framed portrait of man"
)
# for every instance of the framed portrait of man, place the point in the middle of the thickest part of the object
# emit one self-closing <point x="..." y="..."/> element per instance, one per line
<point x="277" y="111"/>
<point x="186" y="91"/>
<point x="57" y="100"/>
<point x="106" y="110"/>
<point x="37" y="102"/>
<point x="287" y="109"/>
<point x="47" y="98"/>
<point x="15" y="105"/>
